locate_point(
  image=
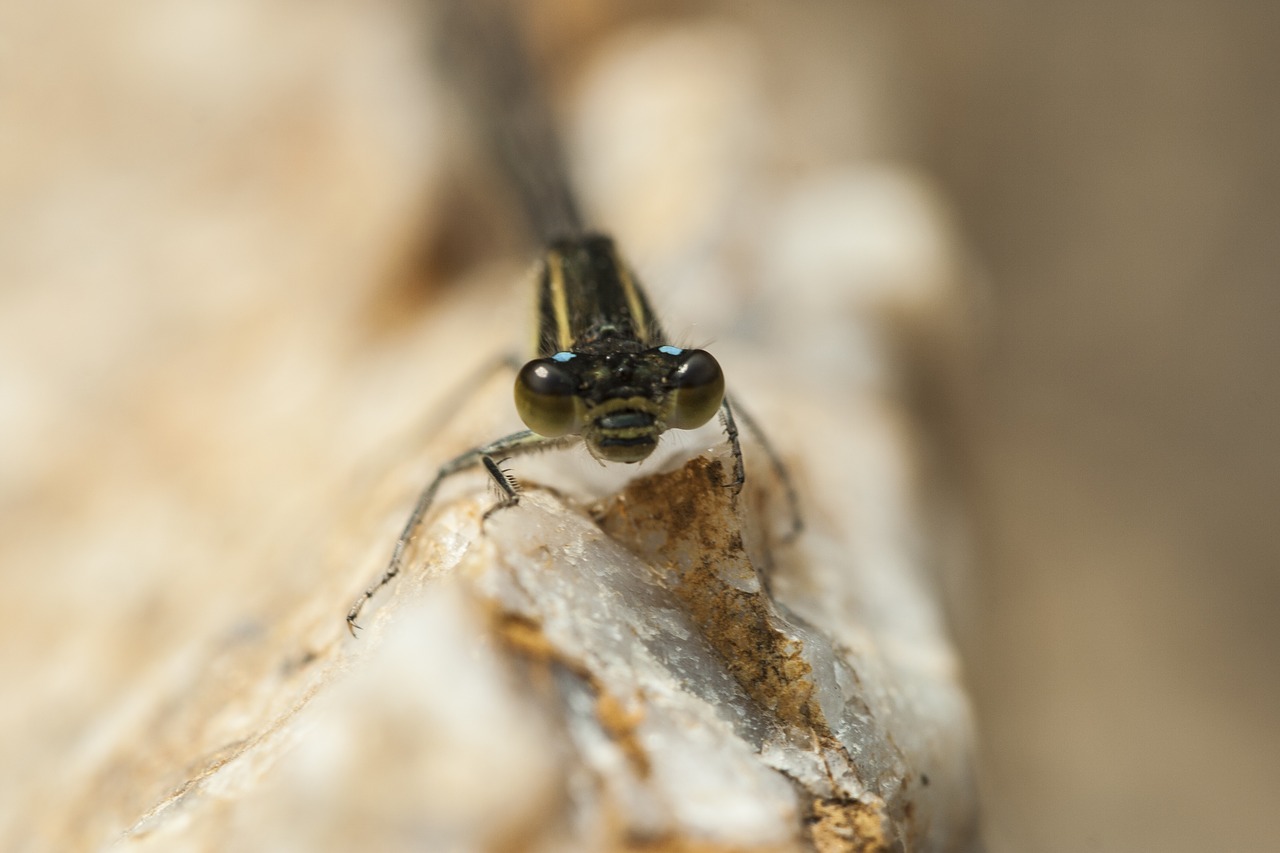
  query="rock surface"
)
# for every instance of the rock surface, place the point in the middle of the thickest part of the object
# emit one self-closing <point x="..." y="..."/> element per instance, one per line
<point x="650" y="671"/>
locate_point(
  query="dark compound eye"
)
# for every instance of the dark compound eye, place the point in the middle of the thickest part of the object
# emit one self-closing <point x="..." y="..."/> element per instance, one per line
<point x="699" y="389"/>
<point x="546" y="398"/>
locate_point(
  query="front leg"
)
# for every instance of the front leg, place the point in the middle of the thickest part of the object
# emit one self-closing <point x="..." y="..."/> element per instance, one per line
<point x="515" y="444"/>
<point x="735" y="446"/>
<point x="775" y="461"/>
<point x="508" y="488"/>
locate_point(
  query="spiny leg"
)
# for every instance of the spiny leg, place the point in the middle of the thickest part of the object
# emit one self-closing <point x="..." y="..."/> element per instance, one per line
<point x="735" y="446"/>
<point x="775" y="461"/>
<point x="508" y="488"/>
<point x="515" y="444"/>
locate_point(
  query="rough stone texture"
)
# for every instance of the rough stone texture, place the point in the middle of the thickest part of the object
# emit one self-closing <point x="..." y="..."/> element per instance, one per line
<point x="607" y="676"/>
<point x="228" y="394"/>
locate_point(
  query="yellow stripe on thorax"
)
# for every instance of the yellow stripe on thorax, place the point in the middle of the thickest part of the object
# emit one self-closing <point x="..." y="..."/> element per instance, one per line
<point x="639" y="317"/>
<point x="559" y="301"/>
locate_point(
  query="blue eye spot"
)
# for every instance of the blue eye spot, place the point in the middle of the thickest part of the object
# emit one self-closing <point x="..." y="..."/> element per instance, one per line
<point x="670" y="350"/>
<point x="562" y="357"/>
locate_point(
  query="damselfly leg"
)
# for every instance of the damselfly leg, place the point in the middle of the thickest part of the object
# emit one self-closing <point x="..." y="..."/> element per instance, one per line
<point x="516" y="444"/>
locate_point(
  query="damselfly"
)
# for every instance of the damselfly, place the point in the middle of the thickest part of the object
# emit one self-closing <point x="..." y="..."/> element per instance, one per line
<point x="605" y="373"/>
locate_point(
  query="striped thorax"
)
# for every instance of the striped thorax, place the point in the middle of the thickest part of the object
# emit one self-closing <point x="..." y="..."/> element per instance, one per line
<point x="604" y="370"/>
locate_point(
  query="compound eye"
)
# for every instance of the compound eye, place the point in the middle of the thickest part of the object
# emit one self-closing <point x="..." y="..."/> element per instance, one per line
<point x="546" y="399"/>
<point x="699" y="390"/>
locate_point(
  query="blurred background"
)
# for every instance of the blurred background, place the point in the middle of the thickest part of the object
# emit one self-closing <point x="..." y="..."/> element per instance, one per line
<point x="1114" y="166"/>
<point x="212" y="220"/>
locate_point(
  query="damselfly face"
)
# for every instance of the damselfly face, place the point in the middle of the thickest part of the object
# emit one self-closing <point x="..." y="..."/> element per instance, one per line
<point x="605" y="372"/>
<point x="620" y="402"/>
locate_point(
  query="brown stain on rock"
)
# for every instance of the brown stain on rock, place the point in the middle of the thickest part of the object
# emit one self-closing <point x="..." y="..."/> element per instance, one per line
<point x="621" y="722"/>
<point x="524" y="636"/>
<point x="848" y="826"/>
<point x="693" y="524"/>
<point x="766" y="663"/>
<point x="688" y="521"/>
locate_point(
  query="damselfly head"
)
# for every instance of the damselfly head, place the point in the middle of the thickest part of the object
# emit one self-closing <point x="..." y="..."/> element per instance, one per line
<point x="621" y="400"/>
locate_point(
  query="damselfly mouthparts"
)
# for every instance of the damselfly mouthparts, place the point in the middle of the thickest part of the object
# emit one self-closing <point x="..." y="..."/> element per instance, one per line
<point x="604" y="376"/>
